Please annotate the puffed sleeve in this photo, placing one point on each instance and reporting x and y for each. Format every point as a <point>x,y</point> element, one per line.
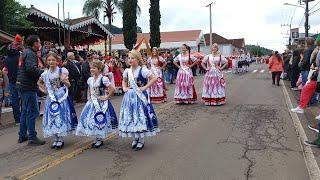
<point>106,81</point>
<point>177,58</point>
<point>65,73</point>
<point>206,59</point>
<point>89,80</point>
<point>223,60</point>
<point>146,73</point>
<point>161,59</point>
<point>125,74</point>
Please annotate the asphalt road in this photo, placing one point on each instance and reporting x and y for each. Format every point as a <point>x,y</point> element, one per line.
<point>251,137</point>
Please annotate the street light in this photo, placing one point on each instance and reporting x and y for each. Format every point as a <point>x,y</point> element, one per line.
<point>288,4</point>
<point>306,24</point>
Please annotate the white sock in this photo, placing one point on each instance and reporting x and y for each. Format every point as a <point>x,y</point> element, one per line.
<point>135,141</point>
<point>59,141</point>
<point>57,137</point>
<point>141,140</point>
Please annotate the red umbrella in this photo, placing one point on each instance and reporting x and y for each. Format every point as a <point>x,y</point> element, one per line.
<point>197,54</point>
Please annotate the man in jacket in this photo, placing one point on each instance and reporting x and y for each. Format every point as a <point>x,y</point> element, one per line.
<point>74,74</point>
<point>11,63</point>
<point>27,77</point>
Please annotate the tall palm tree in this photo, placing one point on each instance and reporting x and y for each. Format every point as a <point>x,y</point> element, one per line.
<point>94,7</point>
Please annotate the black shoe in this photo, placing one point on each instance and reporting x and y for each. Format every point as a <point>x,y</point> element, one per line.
<point>54,145</point>
<point>60,146</point>
<point>139,148</point>
<point>36,142</point>
<point>133,146</point>
<point>98,145</point>
<point>22,139</point>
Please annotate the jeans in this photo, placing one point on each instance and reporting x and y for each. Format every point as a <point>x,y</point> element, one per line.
<point>304,75</point>
<point>15,102</point>
<point>29,114</point>
<point>169,76</point>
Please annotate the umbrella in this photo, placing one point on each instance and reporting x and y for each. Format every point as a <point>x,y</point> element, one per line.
<point>197,54</point>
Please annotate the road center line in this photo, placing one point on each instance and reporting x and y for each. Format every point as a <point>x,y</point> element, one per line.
<point>74,153</point>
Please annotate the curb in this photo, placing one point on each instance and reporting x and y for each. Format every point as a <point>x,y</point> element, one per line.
<point>311,163</point>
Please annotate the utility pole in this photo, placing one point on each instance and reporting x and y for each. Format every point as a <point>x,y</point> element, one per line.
<point>209,5</point>
<point>64,29</point>
<point>306,25</point>
<point>307,14</point>
<point>59,26</point>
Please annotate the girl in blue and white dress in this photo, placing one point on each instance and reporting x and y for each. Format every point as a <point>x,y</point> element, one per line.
<point>59,117</point>
<point>98,118</point>
<point>137,116</point>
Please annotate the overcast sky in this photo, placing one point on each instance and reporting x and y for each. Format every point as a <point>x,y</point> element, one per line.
<point>258,21</point>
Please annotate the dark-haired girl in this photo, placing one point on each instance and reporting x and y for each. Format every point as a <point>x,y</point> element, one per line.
<point>185,93</point>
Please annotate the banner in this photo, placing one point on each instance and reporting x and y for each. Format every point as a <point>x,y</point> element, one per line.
<point>294,33</point>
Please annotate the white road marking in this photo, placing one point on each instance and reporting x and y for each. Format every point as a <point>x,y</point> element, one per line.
<point>254,71</point>
<point>262,71</point>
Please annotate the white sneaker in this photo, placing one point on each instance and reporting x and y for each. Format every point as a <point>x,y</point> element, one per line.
<point>318,117</point>
<point>298,110</point>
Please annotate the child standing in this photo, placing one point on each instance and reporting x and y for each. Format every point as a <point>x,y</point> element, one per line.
<point>137,116</point>
<point>59,117</point>
<point>98,117</point>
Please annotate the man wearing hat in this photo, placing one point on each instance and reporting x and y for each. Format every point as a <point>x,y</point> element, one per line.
<point>11,63</point>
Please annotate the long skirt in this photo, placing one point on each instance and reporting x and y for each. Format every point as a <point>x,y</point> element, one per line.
<point>185,91</point>
<point>157,90</point>
<point>213,92</point>
<point>89,127</point>
<point>137,119</point>
<point>61,123</point>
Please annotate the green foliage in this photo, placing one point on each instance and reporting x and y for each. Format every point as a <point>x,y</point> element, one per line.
<point>13,16</point>
<point>257,50</point>
<point>155,22</point>
<point>129,20</point>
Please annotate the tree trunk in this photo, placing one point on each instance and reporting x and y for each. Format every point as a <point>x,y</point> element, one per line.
<point>110,23</point>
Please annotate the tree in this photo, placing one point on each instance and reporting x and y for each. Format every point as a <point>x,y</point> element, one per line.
<point>2,23</point>
<point>13,16</point>
<point>129,20</point>
<point>93,8</point>
<point>258,50</point>
<point>155,23</point>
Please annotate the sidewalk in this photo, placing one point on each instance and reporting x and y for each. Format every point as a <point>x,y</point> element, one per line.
<point>307,118</point>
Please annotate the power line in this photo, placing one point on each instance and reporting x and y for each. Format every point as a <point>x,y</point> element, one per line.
<point>315,11</point>
<point>314,5</point>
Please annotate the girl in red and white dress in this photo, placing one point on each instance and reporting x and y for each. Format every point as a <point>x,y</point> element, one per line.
<point>107,71</point>
<point>117,72</point>
<point>157,90</point>
<point>185,92</point>
<point>214,93</point>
